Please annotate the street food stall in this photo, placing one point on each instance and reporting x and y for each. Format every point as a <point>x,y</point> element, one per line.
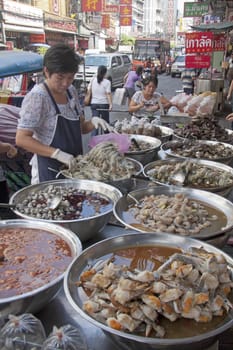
<point>210,49</point>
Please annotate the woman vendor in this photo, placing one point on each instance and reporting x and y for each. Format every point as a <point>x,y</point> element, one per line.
<point>51,119</point>
<point>147,102</point>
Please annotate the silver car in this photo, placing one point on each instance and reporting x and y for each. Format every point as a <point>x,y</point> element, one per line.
<point>178,66</point>
<point>118,65</point>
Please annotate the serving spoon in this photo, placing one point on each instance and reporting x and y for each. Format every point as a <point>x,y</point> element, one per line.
<point>52,203</point>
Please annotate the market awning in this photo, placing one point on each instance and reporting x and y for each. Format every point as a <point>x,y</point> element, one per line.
<point>215,27</point>
<point>14,28</point>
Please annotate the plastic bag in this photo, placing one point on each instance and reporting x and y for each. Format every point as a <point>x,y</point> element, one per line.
<point>65,338</point>
<point>21,331</point>
<point>122,141</point>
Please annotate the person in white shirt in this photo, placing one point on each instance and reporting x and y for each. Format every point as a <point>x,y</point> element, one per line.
<point>101,97</point>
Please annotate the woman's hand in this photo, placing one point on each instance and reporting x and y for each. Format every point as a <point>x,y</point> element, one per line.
<point>229,116</point>
<point>101,123</point>
<point>12,151</point>
<point>63,157</point>
<point>228,97</point>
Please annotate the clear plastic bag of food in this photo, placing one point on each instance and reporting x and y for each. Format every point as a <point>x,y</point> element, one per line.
<point>65,338</point>
<point>22,332</point>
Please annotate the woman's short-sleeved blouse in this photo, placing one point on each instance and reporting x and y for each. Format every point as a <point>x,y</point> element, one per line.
<point>38,113</point>
<point>139,98</point>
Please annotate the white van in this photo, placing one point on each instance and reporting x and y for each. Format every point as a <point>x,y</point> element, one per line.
<point>117,66</point>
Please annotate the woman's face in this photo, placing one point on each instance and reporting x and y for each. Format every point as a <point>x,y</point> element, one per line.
<point>149,89</point>
<point>59,82</point>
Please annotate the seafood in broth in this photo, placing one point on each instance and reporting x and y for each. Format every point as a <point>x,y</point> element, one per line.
<point>192,285</point>
<point>172,214</point>
<point>197,175</point>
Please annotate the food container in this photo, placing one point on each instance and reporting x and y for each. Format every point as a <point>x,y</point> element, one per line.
<point>216,234</point>
<point>222,190</point>
<point>36,299</point>
<point>84,228</point>
<point>138,167</point>
<point>127,340</point>
<point>144,155</point>
<point>166,133</point>
<point>223,151</point>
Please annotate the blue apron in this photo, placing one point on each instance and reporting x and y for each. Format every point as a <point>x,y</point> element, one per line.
<point>67,137</point>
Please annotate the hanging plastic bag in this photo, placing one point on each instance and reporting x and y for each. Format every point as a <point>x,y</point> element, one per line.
<point>122,141</point>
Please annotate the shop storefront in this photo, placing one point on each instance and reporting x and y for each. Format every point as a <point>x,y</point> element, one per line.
<point>21,24</point>
<point>60,29</point>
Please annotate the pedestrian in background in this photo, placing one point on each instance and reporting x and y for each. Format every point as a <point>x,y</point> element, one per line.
<point>187,77</point>
<point>101,96</point>
<point>230,69</point>
<point>11,152</point>
<point>130,80</point>
<point>230,98</point>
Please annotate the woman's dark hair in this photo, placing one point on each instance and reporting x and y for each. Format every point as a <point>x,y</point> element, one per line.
<point>139,70</point>
<point>61,58</point>
<point>150,79</point>
<point>102,70</point>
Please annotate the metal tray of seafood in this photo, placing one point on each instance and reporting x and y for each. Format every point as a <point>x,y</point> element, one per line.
<point>224,207</point>
<point>223,190</point>
<point>138,170</point>
<point>166,133</point>
<point>168,148</point>
<point>126,340</point>
<point>148,154</point>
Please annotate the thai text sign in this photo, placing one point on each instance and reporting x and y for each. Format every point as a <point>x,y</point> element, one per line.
<point>197,61</point>
<point>195,9</point>
<point>198,42</point>
<point>219,42</point>
<point>92,6</point>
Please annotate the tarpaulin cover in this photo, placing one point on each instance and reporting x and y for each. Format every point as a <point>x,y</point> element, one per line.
<point>214,27</point>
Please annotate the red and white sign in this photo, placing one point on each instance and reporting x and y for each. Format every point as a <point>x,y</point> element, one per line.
<point>92,6</point>
<point>105,23</point>
<point>198,42</point>
<point>111,8</point>
<point>197,61</point>
<point>125,10</point>
<point>125,21</point>
<point>126,2</point>
<point>219,42</point>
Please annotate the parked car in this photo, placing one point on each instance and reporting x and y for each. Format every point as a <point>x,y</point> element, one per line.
<point>178,66</point>
<point>117,66</point>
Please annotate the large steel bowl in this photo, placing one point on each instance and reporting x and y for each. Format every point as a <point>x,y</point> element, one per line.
<point>84,228</point>
<point>147,155</point>
<point>36,299</point>
<point>166,133</point>
<point>221,190</point>
<point>137,166</point>
<point>214,234</point>
<point>169,149</point>
<point>125,340</point>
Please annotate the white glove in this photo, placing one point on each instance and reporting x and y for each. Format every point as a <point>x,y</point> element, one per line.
<point>98,122</point>
<point>64,157</point>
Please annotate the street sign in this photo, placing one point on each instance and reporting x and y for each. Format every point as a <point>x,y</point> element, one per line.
<point>198,42</point>
<point>197,61</point>
<point>195,9</point>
